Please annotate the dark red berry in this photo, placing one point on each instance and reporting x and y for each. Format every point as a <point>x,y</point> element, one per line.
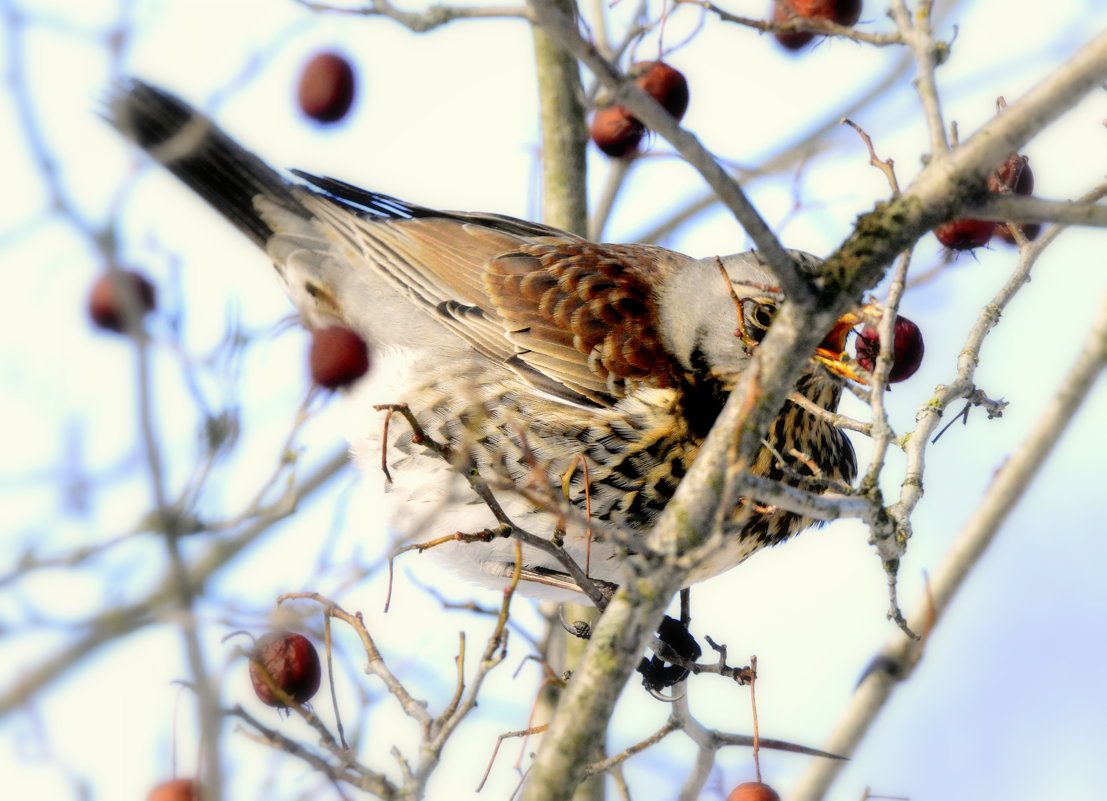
<point>907,349</point>
<point>291,662</point>
<point>753,791</point>
<point>174,790</point>
<point>843,12</point>
<point>327,86</point>
<point>664,84</point>
<point>106,305</point>
<point>616,131</point>
<point>965,234</point>
<point>1029,230</point>
<point>789,40</point>
<point>1013,175</point>
<point>338,357</point>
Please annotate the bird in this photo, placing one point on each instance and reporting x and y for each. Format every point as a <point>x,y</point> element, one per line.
<point>575,380</point>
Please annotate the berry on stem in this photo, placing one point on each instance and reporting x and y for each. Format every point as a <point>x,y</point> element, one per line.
<point>842,12</point>
<point>107,308</point>
<point>753,791</point>
<point>292,663</point>
<point>616,131</point>
<point>663,83</point>
<point>174,790</point>
<point>1015,176</point>
<point>1029,230</point>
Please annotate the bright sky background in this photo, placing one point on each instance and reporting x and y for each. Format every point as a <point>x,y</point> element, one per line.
<point>1009,701</point>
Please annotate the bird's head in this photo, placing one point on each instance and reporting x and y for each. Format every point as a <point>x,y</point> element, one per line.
<point>715,312</point>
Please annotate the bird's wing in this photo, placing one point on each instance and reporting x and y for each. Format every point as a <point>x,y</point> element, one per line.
<point>575,319</point>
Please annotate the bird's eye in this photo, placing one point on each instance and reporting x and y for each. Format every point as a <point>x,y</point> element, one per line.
<point>759,316</point>
<point>762,315</point>
<point>755,318</point>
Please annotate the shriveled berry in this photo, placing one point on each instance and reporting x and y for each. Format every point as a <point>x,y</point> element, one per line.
<point>327,86</point>
<point>616,131</point>
<point>338,357</point>
<point>174,790</point>
<point>1013,175</point>
<point>664,84</point>
<point>1029,230</point>
<point>106,305</point>
<point>843,12</point>
<point>753,791</point>
<point>907,349</point>
<point>291,661</point>
<point>965,234</point>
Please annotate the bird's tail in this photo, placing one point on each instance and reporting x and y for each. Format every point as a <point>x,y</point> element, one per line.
<point>197,151</point>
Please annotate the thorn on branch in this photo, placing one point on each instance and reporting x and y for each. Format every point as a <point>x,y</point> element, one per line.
<point>886,166</point>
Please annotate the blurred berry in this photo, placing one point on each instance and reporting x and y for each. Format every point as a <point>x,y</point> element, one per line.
<point>326,89</point>
<point>616,131</point>
<point>843,12</point>
<point>174,790</point>
<point>965,234</point>
<point>753,791</point>
<point>664,84</point>
<point>338,357</point>
<point>106,306</point>
<point>1014,175</point>
<point>1029,230</point>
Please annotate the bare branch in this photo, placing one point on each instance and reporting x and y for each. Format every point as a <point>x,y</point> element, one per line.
<point>433,17</point>
<point>898,658</point>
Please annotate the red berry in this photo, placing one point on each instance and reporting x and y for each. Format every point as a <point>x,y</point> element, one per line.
<point>843,12</point>
<point>1013,175</point>
<point>794,40</point>
<point>616,131</point>
<point>106,306</point>
<point>1025,184</point>
<point>753,791</point>
<point>338,357</point>
<point>326,87</point>
<point>907,349</point>
<point>1029,230</point>
<point>174,790</point>
<point>664,84</point>
<point>965,234</point>
<point>291,662</point>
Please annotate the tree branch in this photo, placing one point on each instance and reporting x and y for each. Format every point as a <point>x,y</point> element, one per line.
<point>898,658</point>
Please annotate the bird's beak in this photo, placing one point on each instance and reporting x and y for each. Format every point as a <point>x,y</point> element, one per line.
<point>831,352</point>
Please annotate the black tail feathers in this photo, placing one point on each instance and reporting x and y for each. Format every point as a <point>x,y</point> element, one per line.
<point>194,149</point>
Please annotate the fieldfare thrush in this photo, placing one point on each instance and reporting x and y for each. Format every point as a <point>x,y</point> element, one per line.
<point>536,357</point>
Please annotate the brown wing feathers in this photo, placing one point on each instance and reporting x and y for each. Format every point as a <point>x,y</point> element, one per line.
<point>573,317</point>
<point>581,305</point>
